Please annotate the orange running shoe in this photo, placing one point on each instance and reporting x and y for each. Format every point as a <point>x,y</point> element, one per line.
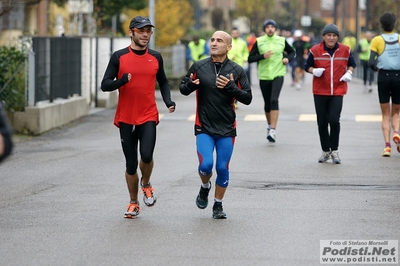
<point>133,211</point>
<point>396,139</point>
<point>386,152</point>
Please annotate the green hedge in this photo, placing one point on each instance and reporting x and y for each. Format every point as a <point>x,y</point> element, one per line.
<point>12,78</point>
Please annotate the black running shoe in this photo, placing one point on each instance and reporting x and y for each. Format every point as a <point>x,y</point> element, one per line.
<point>218,212</point>
<point>202,197</point>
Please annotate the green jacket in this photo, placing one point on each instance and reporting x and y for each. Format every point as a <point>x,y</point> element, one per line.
<point>270,68</point>
<point>351,42</point>
<point>365,51</point>
<point>197,52</point>
<point>239,52</point>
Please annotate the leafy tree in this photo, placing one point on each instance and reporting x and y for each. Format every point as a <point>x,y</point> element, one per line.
<point>257,11</point>
<point>104,10</point>
<point>286,13</point>
<point>5,7</point>
<point>170,26</point>
<point>377,8</point>
<point>110,7</point>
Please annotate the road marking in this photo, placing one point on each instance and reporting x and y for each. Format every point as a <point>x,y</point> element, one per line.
<point>300,118</point>
<point>261,117</point>
<point>368,118</point>
<point>307,117</point>
<point>254,117</point>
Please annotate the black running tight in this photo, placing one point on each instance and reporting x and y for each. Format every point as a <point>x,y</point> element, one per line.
<point>270,90</point>
<point>144,134</point>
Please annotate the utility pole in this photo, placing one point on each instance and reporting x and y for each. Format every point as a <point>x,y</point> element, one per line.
<point>358,18</point>
<point>342,15</point>
<point>306,9</point>
<point>335,4</point>
<point>152,18</point>
<point>367,14</point>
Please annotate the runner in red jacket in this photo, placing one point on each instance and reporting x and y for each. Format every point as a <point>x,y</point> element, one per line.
<point>332,65</point>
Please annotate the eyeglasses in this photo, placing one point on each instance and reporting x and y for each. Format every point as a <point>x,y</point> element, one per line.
<point>142,30</point>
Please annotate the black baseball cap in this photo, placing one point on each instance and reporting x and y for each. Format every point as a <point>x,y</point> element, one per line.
<point>140,22</point>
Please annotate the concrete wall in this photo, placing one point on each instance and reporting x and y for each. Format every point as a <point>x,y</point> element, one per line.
<point>45,116</point>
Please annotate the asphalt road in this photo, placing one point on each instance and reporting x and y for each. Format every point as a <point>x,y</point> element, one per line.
<point>63,194</point>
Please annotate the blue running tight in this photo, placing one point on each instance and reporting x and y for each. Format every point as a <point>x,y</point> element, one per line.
<point>224,148</point>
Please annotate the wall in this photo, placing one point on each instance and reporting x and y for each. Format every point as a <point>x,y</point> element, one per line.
<point>46,116</point>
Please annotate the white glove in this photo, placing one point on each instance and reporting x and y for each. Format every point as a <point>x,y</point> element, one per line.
<point>318,72</point>
<point>346,77</point>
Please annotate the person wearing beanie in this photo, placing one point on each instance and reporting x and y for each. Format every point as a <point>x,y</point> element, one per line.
<point>332,65</point>
<point>135,71</point>
<point>385,58</point>
<point>330,28</point>
<point>269,22</point>
<point>272,53</point>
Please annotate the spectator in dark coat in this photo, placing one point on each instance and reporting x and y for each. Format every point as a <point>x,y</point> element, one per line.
<point>5,135</point>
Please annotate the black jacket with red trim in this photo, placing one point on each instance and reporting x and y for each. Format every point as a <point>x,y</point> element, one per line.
<point>215,112</point>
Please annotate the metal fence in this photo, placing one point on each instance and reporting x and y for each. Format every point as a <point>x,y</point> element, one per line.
<point>174,60</point>
<point>57,67</point>
<point>67,66</point>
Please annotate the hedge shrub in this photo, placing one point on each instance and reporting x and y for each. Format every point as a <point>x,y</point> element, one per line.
<point>12,78</point>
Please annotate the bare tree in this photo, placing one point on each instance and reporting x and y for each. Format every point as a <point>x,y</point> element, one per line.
<point>6,6</point>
